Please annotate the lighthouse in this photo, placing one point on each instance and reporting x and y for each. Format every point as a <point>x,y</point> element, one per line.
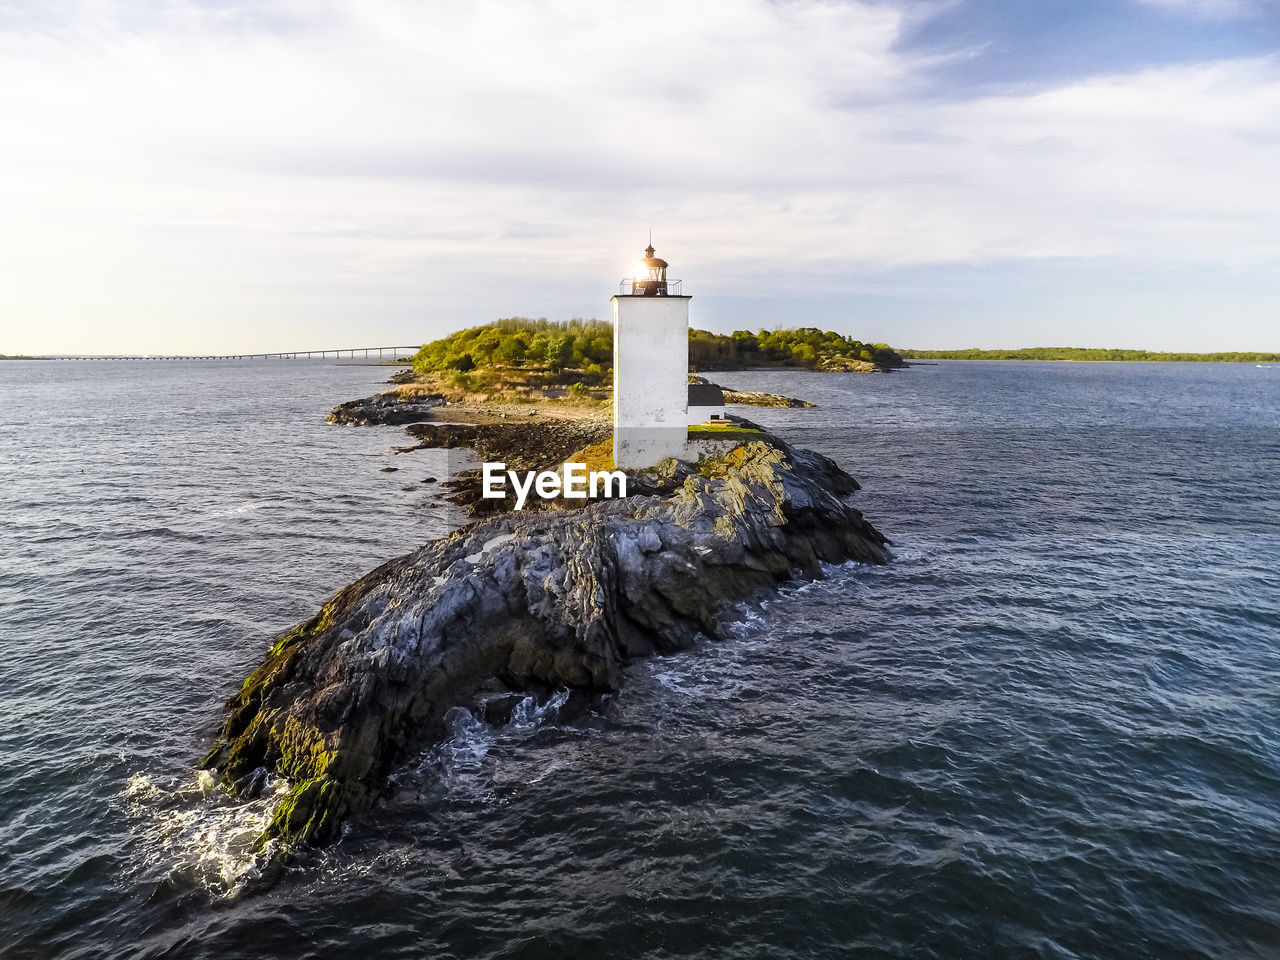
<point>650,366</point>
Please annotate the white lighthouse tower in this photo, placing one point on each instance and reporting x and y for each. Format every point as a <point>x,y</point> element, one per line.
<point>650,366</point>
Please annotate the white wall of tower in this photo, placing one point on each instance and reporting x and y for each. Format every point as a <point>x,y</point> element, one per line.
<point>650,379</point>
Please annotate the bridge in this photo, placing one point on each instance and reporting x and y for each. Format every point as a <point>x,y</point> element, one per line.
<point>353,353</point>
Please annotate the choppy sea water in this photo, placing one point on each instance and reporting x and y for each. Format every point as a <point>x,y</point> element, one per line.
<point>1050,728</point>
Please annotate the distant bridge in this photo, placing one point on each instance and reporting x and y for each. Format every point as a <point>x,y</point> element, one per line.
<point>367,353</point>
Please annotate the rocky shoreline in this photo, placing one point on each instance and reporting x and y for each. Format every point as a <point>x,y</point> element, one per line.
<point>412,403</point>
<point>530,445</point>
<point>391,407</point>
<point>519,602</point>
<point>752,398</point>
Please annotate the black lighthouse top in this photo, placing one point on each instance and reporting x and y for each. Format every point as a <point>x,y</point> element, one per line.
<point>649,276</point>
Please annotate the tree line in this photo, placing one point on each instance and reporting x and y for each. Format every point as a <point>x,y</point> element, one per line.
<point>801,347</point>
<point>587,345</point>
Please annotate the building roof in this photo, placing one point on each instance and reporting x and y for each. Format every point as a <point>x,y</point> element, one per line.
<point>705,395</point>
<point>650,260</point>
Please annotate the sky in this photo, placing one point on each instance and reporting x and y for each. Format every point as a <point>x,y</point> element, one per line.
<point>226,177</point>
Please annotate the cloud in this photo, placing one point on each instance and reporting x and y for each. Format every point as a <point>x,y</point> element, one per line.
<point>1217,9</point>
<point>251,169</point>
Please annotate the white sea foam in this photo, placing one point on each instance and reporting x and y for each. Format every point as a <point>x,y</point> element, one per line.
<point>239,510</point>
<point>203,834</point>
<point>464,749</point>
<point>529,714</point>
<point>460,756</point>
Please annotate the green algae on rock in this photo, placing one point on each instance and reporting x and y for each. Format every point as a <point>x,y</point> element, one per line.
<point>549,599</point>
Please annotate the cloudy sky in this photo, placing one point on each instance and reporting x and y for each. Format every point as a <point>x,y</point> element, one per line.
<point>291,174</point>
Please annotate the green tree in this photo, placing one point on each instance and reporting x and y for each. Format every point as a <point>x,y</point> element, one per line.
<point>511,348</point>
<point>560,353</point>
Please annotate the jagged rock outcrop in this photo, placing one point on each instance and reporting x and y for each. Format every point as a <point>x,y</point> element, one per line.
<point>849,365</point>
<point>752,398</point>
<point>523,444</point>
<point>554,598</point>
<point>391,407</point>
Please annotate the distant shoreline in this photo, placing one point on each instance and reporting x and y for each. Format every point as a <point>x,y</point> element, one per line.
<point>1090,355</point>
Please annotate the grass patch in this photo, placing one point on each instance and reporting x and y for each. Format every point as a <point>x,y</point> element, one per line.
<point>722,430</point>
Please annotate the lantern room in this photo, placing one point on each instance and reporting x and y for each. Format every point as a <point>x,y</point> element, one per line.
<point>649,276</point>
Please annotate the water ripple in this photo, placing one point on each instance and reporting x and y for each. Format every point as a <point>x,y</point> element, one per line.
<point>1047,729</point>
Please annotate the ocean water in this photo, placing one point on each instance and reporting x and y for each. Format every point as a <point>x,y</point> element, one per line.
<point>1049,728</point>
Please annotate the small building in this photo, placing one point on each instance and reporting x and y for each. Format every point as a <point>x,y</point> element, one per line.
<point>706,402</point>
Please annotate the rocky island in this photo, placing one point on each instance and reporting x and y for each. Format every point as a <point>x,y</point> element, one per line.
<point>517,602</point>
<point>558,597</point>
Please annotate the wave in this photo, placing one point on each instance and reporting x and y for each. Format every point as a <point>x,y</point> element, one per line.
<point>201,834</point>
